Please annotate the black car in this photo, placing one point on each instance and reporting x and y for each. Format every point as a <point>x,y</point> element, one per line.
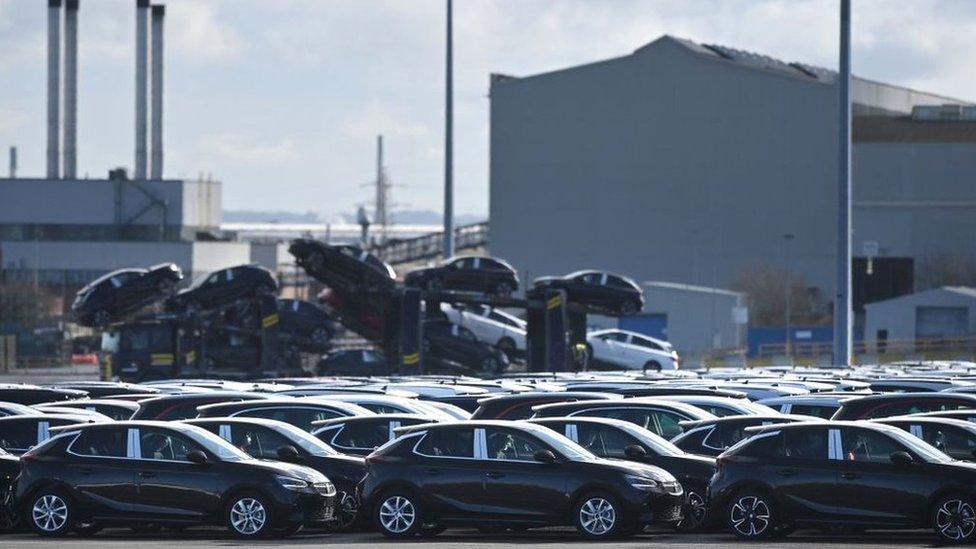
<point>300,412</point>
<point>607,292</point>
<point>118,410</point>
<point>174,407</point>
<point>954,437</point>
<point>361,435</point>
<point>661,417</point>
<point>19,434</point>
<point>487,275</point>
<point>449,342</point>
<point>353,362</point>
<point>615,439</point>
<point>9,469</point>
<point>343,267</point>
<point>519,406</point>
<point>509,474</point>
<point>900,404</point>
<point>223,287</point>
<point>840,473</point>
<point>122,292</point>
<point>307,324</point>
<point>166,474</point>
<point>711,437</point>
<point>274,440</point>
<point>32,394</point>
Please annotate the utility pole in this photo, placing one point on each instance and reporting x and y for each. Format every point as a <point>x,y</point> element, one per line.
<point>382,192</point>
<point>842,301</point>
<point>448,250</point>
<point>787,238</point>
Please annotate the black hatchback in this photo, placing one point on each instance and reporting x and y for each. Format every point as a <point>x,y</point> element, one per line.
<point>122,292</point>
<point>449,342</point>
<point>839,473</point>
<point>225,286</point>
<point>344,267</point>
<point>487,275</point>
<point>164,474</point>
<point>509,474</point>
<point>607,292</point>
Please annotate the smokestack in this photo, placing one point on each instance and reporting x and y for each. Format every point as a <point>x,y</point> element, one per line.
<point>53,86</point>
<point>13,162</point>
<point>70,88</point>
<point>142,21</point>
<point>158,12</point>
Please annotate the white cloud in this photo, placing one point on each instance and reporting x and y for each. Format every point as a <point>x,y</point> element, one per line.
<point>196,34</point>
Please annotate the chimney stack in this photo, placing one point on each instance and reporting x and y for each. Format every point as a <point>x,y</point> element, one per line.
<point>158,13</point>
<point>53,86</point>
<point>142,21</point>
<point>70,88</point>
<point>13,162</point>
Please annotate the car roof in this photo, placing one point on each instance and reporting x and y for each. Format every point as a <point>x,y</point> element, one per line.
<point>784,418</point>
<point>325,423</point>
<point>912,396</point>
<point>177,425</point>
<point>626,403</point>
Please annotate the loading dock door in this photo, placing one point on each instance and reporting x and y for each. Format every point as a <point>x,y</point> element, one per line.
<point>654,324</point>
<point>941,322</point>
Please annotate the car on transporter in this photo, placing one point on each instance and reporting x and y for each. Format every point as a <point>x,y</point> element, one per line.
<point>344,267</point>
<point>841,474</point>
<point>123,292</point>
<point>224,286</point>
<point>630,351</point>
<point>144,474</point>
<point>491,325</point>
<point>449,342</point>
<point>599,290</point>
<point>487,275</point>
<point>509,474</point>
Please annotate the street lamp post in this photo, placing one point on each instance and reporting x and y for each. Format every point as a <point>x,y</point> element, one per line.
<point>787,238</point>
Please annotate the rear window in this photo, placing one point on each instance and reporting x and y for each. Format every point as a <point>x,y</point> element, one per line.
<point>101,443</point>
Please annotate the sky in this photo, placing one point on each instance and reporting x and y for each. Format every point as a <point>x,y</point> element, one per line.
<point>282,99</point>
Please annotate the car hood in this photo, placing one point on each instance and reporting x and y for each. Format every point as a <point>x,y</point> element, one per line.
<point>632,468</point>
<point>302,472</point>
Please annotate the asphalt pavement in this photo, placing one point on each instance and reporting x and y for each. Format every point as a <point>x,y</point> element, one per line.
<point>469,539</point>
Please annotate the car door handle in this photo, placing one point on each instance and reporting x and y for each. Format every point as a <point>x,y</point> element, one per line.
<point>146,474</point>
<point>494,474</point>
<point>849,476</point>
<point>787,472</point>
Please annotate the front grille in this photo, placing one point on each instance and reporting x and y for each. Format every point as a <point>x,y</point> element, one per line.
<point>325,488</point>
<point>673,488</point>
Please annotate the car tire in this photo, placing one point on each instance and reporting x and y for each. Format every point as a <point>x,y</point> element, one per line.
<point>695,514</point>
<point>320,336</point>
<point>248,516</point>
<point>491,366</point>
<point>596,516</point>
<point>653,366</point>
<point>101,318</point>
<point>507,346</point>
<point>398,515</point>
<point>751,515</point>
<point>347,511</point>
<point>50,513</point>
<point>954,519</point>
<point>628,308</point>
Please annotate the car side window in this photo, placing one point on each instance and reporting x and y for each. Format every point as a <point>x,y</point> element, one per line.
<point>950,440</point>
<point>806,444</point>
<point>447,443</point>
<point>363,435</point>
<point>299,417</point>
<point>617,282</point>
<point>604,441</point>
<point>723,437</point>
<point>101,443</point>
<point>511,445</point>
<point>258,442</point>
<point>769,446</point>
<point>824,412</point>
<point>867,446</point>
<point>159,444</point>
<point>646,343</point>
<point>19,436</point>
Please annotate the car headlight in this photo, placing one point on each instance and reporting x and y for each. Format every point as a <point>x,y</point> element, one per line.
<point>643,483</point>
<point>295,484</point>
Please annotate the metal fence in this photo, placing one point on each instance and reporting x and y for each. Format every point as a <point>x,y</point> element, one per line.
<point>962,345</point>
<point>429,246</point>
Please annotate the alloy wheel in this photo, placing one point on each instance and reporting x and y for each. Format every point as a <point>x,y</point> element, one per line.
<point>397,514</point>
<point>750,516</point>
<point>248,516</point>
<point>348,509</point>
<point>50,513</point>
<point>597,516</point>
<point>696,511</point>
<point>955,519</point>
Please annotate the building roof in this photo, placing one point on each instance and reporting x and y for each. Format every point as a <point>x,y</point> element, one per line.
<point>964,292</point>
<point>886,129</point>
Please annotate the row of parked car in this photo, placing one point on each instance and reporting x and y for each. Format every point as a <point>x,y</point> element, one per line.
<point>759,452</point>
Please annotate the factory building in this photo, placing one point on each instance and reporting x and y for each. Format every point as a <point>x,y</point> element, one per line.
<point>699,164</point>
<point>944,313</point>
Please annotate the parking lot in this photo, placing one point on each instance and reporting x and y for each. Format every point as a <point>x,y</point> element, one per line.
<point>470,539</point>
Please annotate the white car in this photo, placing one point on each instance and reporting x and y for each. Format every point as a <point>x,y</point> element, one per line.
<point>631,351</point>
<point>506,332</point>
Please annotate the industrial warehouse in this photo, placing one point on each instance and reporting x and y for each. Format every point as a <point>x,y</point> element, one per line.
<point>713,294</point>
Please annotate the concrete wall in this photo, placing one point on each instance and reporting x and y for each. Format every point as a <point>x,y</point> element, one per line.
<point>673,165</point>
<point>898,315</point>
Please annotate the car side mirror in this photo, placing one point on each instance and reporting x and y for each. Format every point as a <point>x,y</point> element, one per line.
<point>902,458</point>
<point>289,453</point>
<point>635,451</point>
<point>544,456</point>
<point>197,456</point>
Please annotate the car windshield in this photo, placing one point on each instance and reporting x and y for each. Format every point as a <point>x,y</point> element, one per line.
<point>656,443</point>
<point>569,449</point>
<point>305,441</point>
<point>216,445</point>
<point>925,451</point>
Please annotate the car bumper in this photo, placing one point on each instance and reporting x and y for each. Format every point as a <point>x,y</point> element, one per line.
<point>307,509</point>
<point>654,507</point>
